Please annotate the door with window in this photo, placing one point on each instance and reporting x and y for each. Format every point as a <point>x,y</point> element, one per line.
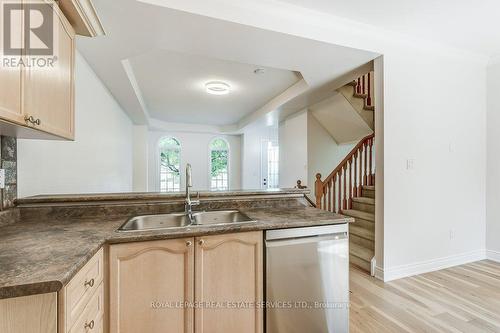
<point>269,164</point>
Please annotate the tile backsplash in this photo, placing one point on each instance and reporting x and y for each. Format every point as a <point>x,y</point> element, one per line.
<point>8,161</point>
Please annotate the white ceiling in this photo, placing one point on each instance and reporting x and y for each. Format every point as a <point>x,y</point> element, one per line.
<point>173,87</point>
<point>465,24</point>
<point>132,60</point>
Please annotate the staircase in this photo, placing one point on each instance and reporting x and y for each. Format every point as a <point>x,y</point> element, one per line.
<point>362,232</point>
<point>359,93</point>
<point>350,188</point>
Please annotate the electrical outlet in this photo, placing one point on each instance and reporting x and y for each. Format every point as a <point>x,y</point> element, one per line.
<point>452,234</point>
<point>2,178</point>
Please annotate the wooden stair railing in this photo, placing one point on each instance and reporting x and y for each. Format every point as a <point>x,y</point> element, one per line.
<point>346,181</point>
<point>363,88</point>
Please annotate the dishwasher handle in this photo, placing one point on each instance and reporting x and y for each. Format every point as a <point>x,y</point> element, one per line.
<point>306,231</point>
<point>306,239</point>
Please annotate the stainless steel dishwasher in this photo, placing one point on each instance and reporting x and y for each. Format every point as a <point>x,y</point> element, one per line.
<point>307,280</point>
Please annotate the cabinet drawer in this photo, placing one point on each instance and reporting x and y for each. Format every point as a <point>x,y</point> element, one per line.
<point>91,318</point>
<point>81,288</point>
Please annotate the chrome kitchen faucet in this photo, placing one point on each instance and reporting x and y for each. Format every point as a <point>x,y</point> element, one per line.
<point>188,206</point>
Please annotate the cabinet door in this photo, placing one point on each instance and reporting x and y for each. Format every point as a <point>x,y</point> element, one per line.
<point>150,282</point>
<point>229,279</point>
<point>49,90</point>
<point>10,75</point>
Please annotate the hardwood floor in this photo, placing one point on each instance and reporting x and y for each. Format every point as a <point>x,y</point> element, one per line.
<point>459,299</point>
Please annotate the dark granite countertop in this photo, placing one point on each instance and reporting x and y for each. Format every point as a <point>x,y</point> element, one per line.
<point>42,256</point>
<point>151,196</point>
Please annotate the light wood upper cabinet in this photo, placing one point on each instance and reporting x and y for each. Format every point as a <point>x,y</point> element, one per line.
<point>83,17</point>
<point>34,95</point>
<point>229,269</point>
<point>149,283</point>
<point>49,91</point>
<point>10,80</point>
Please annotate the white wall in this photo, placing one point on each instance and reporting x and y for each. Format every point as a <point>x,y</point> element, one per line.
<point>100,158</point>
<point>194,150</point>
<point>323,153</point>
<point>307,148</point>
<point>493,164</point>
<point>140,158</point>
<point>434,112</point>
<point>293,150</point>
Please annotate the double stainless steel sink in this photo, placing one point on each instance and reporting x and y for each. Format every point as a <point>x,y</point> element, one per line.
<point>182,220</point>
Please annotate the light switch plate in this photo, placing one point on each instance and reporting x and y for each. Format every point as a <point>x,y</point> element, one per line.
<point>2,178</point>
<point>410,164</point>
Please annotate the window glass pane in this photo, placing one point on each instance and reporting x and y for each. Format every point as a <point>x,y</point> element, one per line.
<point>219,144</point>
<point>170,163</point>
<point>219,165</point>
<point>169,142</point>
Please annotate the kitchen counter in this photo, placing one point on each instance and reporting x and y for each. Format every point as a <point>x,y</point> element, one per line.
<point>42,255</point>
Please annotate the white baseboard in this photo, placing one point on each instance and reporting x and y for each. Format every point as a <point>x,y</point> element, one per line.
<point>398,272</point>
<point>493,255</point>
<point>378,273</point>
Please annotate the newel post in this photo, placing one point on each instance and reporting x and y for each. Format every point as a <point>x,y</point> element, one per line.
<point>318,190</point>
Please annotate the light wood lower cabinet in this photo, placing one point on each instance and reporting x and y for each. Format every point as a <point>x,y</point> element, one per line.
<point>79,307</point>
<point>229,278</point>
<point>205,284</point>
<point>145,279</point>
<point>37,313</point>
<point>81,301</point>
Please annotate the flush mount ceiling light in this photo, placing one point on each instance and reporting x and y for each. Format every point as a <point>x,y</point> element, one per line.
<point>217,88</point>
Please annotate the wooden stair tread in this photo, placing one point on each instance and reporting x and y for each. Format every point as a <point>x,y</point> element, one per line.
<point>364,224</point>
<point>362,232</point>
<point>364,200</point>
<point>369,187</point>
<point>359,263</point>
<point>360,95</point>
<point>359,214</point>
<point>361,252</point>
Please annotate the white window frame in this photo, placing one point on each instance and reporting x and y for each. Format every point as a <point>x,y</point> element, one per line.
<point>158,161</point>
<point>210,163</point>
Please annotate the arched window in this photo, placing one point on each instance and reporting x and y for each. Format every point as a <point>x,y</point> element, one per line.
<point>219,165</point>
<point>170,164</point>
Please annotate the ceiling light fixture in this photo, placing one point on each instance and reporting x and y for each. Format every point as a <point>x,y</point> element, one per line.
<point>217,88</point>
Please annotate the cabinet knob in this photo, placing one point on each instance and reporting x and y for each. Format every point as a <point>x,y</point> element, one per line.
<point>201,242</point>
<point>89,325</point>
<point>89,283</point>
<point>189,243</point>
